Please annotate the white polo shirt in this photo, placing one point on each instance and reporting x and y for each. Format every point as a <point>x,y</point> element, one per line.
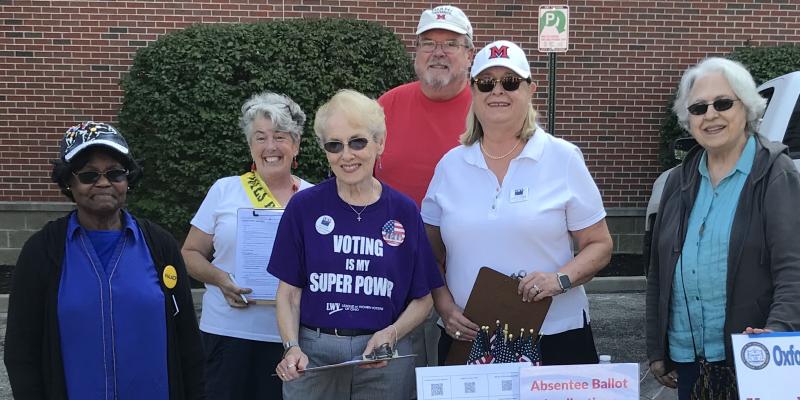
<point>522,224</point>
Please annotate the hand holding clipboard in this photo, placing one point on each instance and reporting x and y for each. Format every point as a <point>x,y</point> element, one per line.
<point>494,297</point>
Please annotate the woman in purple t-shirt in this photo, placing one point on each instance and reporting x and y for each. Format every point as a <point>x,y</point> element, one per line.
<point>355,266</point>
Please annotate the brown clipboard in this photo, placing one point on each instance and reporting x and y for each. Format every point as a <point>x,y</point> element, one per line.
<point>494,297</point>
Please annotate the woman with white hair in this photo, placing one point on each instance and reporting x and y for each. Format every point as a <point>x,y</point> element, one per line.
<point>725,258</point>
<point>241,340</point>
<point>355,266</point>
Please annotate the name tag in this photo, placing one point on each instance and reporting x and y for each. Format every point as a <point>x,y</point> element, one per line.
<point>518,195</point>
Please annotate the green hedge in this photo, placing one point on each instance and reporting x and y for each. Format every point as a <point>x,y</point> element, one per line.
<point>183,95</point>
<point>764,63</point>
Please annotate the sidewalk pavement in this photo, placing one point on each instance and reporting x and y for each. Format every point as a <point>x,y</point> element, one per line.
<point>616,305</point>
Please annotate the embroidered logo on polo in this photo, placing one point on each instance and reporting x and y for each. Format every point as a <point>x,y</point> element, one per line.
<point>393,233</point>
<point>518,195</point>
<point>325,224</point>
<point>498,52</point>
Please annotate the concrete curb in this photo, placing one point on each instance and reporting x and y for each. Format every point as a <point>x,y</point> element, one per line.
<point>611,284</point>
<point>616,284</point>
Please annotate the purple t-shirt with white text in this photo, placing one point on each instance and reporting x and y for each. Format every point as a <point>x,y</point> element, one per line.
<point>353,274</point>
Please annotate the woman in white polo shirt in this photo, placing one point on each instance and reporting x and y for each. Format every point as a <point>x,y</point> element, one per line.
<point>513,197</point>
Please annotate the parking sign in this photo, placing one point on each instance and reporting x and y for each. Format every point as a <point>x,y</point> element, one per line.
<point>553,29</point>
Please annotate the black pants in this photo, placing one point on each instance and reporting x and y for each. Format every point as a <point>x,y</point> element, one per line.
<point>575,346</point>
<point>239,369</point>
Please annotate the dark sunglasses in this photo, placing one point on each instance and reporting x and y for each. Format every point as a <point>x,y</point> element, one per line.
<point>335,146</point>
<point>719,105</point>
<point>510,83</point>
<point>90,177</point>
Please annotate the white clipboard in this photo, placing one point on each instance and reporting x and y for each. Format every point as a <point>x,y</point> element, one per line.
<point>256,229</point>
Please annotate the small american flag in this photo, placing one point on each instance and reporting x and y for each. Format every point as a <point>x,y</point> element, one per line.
<point>505,352</point>
<point>393,233</point>
<point>479,354</point>
<point>529,349</point>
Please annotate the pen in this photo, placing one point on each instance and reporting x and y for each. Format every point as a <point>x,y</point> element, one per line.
<point>237,284</point>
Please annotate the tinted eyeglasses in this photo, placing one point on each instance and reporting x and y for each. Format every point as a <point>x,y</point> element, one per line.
<point>719,105</point>
<point>91,177</point>
<point>335,146</point>
<point>510,83</point>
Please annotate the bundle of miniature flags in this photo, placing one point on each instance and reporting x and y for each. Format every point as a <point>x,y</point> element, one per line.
<point>503,347</point>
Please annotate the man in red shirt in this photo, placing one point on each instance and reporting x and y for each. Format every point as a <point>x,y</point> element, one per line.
<point>424,120</point>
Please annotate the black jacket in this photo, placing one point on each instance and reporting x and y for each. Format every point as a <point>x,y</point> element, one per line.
<point>33,346</point>
<point>763,278</point>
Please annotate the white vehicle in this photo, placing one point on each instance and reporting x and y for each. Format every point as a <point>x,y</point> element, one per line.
<point>780,123</point>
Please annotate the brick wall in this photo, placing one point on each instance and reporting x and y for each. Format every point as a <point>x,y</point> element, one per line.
<point>61,62</point>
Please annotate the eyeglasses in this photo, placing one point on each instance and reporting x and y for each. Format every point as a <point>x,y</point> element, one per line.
<point>335,146</point>
<point>719,105</point>
<point>510,83</point>
<point>91,177</point>
<point>449,46</point>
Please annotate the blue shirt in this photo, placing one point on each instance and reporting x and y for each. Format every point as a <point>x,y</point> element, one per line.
<point>111,318</point>
<point>104,244</point>
<point>702,268</point>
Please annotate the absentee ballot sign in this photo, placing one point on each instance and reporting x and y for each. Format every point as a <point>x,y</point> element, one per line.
<point>580,382</point>
<point>767,365</point>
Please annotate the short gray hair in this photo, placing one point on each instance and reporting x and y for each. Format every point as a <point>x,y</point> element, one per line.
<point>285,114</point>
<point>737,76</point>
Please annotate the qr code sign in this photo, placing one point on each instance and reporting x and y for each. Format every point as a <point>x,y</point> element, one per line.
<point>505,385</point>
<point>437,390</point>
<point>469,387</point>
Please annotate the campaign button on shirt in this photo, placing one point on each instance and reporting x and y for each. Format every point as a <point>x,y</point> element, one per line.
<point>393,233</point>
<point>325,224</point>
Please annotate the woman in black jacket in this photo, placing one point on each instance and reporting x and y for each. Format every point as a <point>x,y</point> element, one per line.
<point>725,257</point>
<point>100,305</point>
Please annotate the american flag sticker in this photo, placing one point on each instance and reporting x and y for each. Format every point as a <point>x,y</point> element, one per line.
<point>393,233</point>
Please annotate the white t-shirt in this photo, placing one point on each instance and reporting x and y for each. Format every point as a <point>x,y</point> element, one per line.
<point>217,217</point>
<point>522,224</point>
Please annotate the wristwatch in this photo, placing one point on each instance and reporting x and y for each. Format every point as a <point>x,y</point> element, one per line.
<point>564,282</point>
<point>288,345</point>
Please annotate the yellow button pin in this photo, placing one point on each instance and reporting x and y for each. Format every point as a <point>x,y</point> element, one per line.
<point>170,276</point>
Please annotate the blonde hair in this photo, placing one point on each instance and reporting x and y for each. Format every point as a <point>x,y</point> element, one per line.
<point>359,110</point>
<point>474,131</point>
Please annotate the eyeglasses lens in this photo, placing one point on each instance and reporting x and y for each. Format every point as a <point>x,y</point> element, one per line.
<point>719,105</point>
<point>337,147</point>
<point>114,175</point>
<point>333,147</point>
<point>429,46</point>
<point>510,84</point>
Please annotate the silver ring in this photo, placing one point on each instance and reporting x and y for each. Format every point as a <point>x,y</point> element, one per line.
<point>290,366</point>
<point>458,334</point>
<point>537,289</point>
